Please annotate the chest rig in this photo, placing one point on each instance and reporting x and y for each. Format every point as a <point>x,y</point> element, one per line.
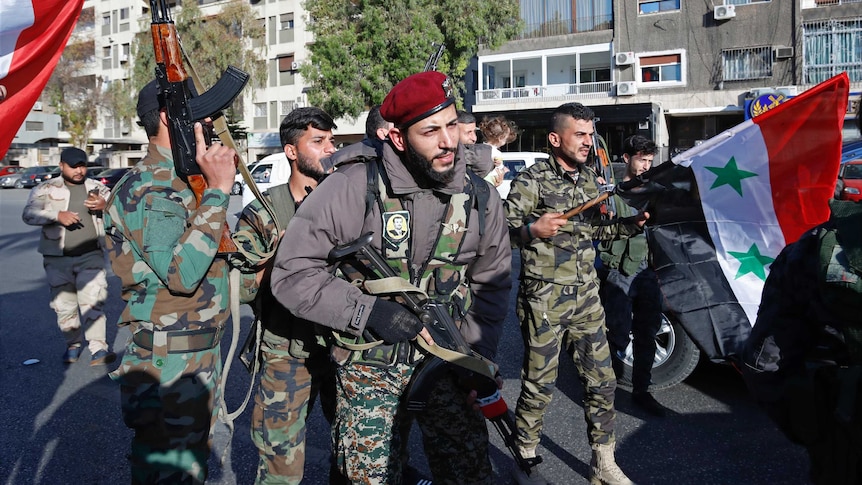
<point>441,275</point>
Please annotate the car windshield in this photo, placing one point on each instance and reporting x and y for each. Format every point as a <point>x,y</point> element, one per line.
<point>853,172</point>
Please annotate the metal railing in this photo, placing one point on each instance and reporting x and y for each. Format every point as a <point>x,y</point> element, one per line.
<point>553,92</point>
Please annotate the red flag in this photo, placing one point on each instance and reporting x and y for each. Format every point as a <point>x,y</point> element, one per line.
<point>32,37</point>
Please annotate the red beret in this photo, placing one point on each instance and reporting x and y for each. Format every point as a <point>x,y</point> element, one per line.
<point>416,97</point>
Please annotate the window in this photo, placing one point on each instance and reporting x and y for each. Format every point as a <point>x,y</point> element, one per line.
<point>34,126</point>
<point>285,63</point>
<point>106,52</point>
<point>286,21</point>
<point>259,110</point>
<point>656,6</point>
<point>124,13</point>
<point>661,69</point>
<point>594,75</point>
<point>749,63</point>
<point>287,107</point>
<point>830,47</point>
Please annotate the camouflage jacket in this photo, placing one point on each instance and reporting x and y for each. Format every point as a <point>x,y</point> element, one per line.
<point>259,228</point>
<point>569,257</point>
<point>335,213</point>
<point>163,246</point>
<point>45,203</point>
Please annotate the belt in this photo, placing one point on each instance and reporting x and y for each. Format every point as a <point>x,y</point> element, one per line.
<point>180,341</point>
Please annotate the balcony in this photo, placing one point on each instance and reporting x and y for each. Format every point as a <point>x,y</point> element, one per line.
<point>551,93</point>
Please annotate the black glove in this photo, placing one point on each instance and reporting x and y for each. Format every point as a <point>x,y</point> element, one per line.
<point>392,322</point>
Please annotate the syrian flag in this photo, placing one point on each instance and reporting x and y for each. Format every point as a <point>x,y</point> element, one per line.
<point>723,210</point>
<point>33,34</point>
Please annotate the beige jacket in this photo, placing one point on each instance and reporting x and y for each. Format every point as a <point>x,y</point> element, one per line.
<point>45,203</point>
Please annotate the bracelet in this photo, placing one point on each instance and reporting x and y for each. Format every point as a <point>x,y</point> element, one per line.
<point>529,233</point>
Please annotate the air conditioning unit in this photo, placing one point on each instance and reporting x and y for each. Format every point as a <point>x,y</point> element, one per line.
<point>624,58</point>
<point>782,52</point>
<point>124,58</point>
<point>294,66</point>
<point>724,12</point>
<point>627,88</point>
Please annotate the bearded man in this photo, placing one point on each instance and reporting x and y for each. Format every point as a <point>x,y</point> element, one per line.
<point>455,250</point>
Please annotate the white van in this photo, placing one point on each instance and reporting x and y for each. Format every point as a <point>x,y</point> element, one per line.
<point>515,162</point>
<point>268,171</point>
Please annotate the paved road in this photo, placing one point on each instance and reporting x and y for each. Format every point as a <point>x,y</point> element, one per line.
<point>62,424</point>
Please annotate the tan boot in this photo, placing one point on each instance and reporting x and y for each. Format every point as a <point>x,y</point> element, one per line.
<point>604,469</point>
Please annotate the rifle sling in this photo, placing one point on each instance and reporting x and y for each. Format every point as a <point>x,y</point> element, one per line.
<point>395,284</point>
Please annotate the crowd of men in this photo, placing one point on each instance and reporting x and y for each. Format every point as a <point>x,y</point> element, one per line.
<point>410,195</point>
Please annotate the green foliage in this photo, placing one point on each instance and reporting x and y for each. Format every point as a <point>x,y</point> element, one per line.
<point>74,95</point>
<point>363,47</point>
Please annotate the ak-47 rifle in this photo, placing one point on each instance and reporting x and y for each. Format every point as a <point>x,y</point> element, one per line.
<point>183,108</point>
<point>451,353</point>
<point>431,63</point>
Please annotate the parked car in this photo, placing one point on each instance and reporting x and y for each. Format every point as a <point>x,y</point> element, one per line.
<point>110,177</point>
<point>10,169</point>
<point>262,175</point>
<point>850,180</point>
<point>9,181</point>
<point>238,182</point>
<point>35,175</point>
<point>515,162</point>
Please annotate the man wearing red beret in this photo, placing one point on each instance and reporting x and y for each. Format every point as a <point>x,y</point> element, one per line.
<point>452,247</point>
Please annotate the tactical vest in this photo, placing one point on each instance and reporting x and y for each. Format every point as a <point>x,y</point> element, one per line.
<point>624,255</point>
<point>441,277</point>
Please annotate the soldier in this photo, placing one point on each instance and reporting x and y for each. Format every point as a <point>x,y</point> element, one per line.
<point>421,178</point>
<point>559,295</point>
<point>467,128</point>
<point>803,359</point>
<point>69,209</point>
<point>376,131</point>
<point>629,290</point>
<point>163,245</point>
<point>295,364</point>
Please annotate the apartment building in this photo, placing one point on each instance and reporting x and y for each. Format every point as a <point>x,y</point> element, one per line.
<point>678,72</point>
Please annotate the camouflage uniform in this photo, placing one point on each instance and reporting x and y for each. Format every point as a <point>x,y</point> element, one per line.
<point>295,364</point>
<point>366,432</point>
<point>803,359</point>
<point>76,275</point>
<point>558,300</point>
<point>163,247</point>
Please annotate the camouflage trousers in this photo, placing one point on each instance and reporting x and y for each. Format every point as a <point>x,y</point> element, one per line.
<point>288,388</point>
<point>168,400</point>
<point>367,433</point>
<point>552,316</point>
<point>79,287</point>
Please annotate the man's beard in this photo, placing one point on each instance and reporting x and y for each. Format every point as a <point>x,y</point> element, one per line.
<point>73,181</point>
<point>423,171</point>
<point>308,168</point>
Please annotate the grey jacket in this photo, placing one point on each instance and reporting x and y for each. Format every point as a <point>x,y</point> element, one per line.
<point>334,214</point>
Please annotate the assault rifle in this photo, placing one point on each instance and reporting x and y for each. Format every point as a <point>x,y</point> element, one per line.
<point>183,108</point>
<point>431,63</point>
<point>453,355</point>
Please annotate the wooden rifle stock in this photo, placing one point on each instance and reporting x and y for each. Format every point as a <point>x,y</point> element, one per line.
<point>586,205</point>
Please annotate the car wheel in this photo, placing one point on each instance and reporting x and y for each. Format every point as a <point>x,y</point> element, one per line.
<point>676,356</point>
<point>19,184</point>
<point>236,189</point>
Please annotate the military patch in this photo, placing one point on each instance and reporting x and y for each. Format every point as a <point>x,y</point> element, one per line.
<point>396,226</point>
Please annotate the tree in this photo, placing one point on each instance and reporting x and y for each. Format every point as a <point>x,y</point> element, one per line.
<point>363,47</point>
<point>72,92</point>
<point>212,43</point>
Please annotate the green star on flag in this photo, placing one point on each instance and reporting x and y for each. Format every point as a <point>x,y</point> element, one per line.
<point>752,262</point>
<point>730,175</point>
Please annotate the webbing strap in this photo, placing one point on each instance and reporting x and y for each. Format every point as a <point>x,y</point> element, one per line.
<point>394,284</point>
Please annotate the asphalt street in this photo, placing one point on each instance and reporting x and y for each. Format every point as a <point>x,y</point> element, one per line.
<point>62,424</point>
